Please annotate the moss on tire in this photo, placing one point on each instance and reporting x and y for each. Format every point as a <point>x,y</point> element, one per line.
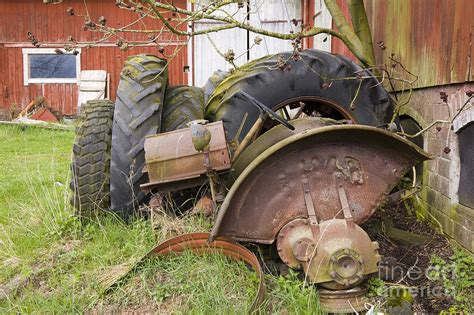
<point>138,110</point>
<point>91,158</point>
<point>214,80</point>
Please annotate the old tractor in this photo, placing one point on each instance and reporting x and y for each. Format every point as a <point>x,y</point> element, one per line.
<point>298,151</point>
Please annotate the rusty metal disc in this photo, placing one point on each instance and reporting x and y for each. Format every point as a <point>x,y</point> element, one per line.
<point>343,301</point>
<point>295,243</point>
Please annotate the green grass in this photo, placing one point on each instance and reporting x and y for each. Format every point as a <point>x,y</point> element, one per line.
<point>64,259</point>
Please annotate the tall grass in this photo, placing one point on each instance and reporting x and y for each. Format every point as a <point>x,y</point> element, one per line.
<point>63,259</point>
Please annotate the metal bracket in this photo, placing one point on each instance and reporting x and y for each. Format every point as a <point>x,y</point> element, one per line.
<point>313,220</point>
<point>346,209</point>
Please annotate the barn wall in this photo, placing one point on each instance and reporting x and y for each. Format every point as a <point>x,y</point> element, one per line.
<point>432,39</point>
<point>52,26</point>
<point>272,16</point>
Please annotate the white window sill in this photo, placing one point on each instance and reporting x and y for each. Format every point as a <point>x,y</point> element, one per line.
<point>51,81</point>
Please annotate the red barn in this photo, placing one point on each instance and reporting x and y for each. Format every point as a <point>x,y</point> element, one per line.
<point>52,25</point>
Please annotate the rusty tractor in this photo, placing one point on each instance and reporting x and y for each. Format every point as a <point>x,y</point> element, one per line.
<point>298,151</point>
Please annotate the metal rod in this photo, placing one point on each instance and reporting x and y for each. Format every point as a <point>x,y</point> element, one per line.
<point>249,136</point>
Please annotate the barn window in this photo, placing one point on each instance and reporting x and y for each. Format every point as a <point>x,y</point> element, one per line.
<point>45,65</point>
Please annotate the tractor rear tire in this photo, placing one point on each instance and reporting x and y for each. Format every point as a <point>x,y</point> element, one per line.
<point>182,104</point>
<point>138,110</point>
<point>214,80</point>
<point>91,158</point>
<point>275,79</point>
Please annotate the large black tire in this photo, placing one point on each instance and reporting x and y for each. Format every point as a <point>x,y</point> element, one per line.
<point>214,80</point>
<point>182,104</point>
<point>138,110</point>
<point>276,79</point>
<point>91,158</point>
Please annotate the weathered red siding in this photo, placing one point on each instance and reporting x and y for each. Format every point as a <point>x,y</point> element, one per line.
<point>432,39</point>
<point>51,26</point>
<point>337,46</point>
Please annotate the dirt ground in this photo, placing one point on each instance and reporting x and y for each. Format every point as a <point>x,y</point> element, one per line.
<point>405,264</point>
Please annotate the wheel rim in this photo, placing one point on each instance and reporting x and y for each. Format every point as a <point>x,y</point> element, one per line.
<point>314,104</point>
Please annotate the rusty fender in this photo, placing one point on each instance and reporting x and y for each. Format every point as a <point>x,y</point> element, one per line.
<point>268,192</point>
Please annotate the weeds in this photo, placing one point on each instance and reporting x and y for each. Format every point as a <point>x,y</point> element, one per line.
<point>457,278</point>
<point>290,295</point>
<point>377,287</point>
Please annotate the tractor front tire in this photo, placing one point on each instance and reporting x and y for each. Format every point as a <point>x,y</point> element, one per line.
<point>90,165</point>
<point>138,110</point>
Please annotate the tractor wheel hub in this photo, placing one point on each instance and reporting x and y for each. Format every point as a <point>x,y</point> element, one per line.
<point>338,256</point>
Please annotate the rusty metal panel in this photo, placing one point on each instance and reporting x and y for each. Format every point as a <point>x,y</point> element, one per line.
<point>432,39</point>
<point>171,156</point>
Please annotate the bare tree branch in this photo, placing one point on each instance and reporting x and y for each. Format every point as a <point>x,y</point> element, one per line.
<point>361,26</point>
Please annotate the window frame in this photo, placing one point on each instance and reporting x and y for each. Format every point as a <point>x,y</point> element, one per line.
<point>27,80</point>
